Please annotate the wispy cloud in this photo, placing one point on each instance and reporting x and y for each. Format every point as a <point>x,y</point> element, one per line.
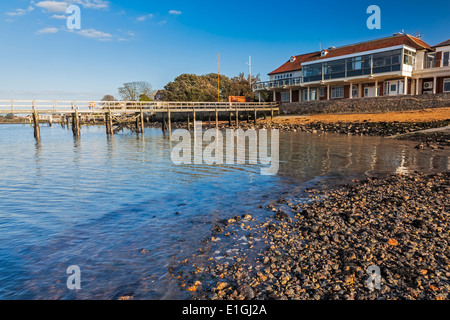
<point>59,16</point>
<point>144,17</point>
<point>19,12</point>
<point>53,6</point>
<point>61,6</point>
<point>47,31</point>
<point>92,4</point>
<point>95,34</point>
<point>175,12</point>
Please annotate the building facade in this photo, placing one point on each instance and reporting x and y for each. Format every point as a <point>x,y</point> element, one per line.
<point>397,65</point>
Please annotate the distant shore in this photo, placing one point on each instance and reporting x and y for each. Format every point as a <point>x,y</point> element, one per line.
<point>323,249</point>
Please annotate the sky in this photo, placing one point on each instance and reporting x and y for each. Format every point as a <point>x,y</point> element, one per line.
<point>155,41</point>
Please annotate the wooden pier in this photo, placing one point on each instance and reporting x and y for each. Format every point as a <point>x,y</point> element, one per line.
<point>129,114</point>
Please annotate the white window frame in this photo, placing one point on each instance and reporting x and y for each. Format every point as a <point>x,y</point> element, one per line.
<point>446,80</point>
<point>335,90</point>
<point>444,60</point>
<point>284,98</point>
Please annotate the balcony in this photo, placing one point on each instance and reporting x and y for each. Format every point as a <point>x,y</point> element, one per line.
<point>275,84</point>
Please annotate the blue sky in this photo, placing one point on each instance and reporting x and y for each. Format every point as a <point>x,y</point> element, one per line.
<point>154,41</point>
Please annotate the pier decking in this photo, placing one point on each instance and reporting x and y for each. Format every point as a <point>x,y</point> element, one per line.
<point>134,111</point>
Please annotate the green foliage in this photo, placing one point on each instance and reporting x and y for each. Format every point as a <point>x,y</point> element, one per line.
<point>191,87</point>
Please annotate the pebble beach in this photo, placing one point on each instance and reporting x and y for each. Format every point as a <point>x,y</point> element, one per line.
<point>321,249</point>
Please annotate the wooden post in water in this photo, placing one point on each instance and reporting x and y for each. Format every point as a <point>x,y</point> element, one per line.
<point>271,113</point>
<point>217,119</point>
<point>163,122</point>
<point>107,123</point>
<point>137,122</point>
<point>229,120</point>
<point>193,113</point>
<point>169,120</point>
<point>76,124</point>
<point>237,117</point>
<point>255,115</point>
<point>188,122</point>
<point>209,119</point>
<point>142,121</point>
<point>37,131</point>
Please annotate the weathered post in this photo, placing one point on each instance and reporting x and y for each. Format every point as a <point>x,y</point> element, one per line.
<point>137,122</point>
<point>209,119</point>
<point>217,119</point>
<point>229,120</point>
<point>142,121</point>
<point>193,114</point>
<point>76,124</point>
<point>163,122</point>
<point>169,120</point>
<point>237,117</point>
<point>110,123</point>
<point>37,131</point>
<point>188,122</point>
<point>107,123</point>
<point>271,113</point>
<point>255,115</point>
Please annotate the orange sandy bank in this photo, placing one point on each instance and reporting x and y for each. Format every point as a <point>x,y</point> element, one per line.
<point>424,115</point>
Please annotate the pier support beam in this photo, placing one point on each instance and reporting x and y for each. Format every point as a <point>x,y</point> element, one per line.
<point>188,122</point>
<point>37,131</point>
<point>169,120</point>
<point>255,115</point>
<point>237,117</point>
<point>76,124</point>
<point>217,119</point>
<point>142,121</point>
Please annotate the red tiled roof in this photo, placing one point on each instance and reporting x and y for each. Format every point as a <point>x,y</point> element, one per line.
<point>443,44</point>
<point>404,39</point>
<point>297,63</point>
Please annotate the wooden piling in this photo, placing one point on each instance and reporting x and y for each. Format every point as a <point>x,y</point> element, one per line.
<point>255,116</point>
<point>76,124</point>
<point>169,120</point>
<point>107,123</point>
<point>137,122</point>
<point>37,131</point>
<point>237,117</point>
<point>271,113</point>
<point>188,122</point>
<point>217,119</point>
<point>142,121</point>
<point>163,122</point>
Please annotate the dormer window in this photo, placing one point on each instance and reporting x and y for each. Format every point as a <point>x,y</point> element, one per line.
<point>292,59</point>
<point>323,53</point>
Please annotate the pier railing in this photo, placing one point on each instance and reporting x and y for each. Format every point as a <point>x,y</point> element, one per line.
<point>64,107</point>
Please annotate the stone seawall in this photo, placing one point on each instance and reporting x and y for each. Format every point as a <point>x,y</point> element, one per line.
<point>367,105</point>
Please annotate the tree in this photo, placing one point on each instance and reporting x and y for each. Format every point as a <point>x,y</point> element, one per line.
<point>108,97</point>
<point>134,91</point>
<point>191,87</point>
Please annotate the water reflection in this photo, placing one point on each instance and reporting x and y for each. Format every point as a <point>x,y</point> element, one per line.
<point>96,201</point>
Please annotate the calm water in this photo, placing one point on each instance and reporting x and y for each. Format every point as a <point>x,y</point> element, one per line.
<point>98,201</point>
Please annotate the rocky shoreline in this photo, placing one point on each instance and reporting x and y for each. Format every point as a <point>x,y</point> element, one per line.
<point>384,129</point>
<point>321,248</point>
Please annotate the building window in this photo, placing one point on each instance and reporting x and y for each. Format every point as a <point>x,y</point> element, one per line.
<point>447,85</point>
<point>430,61</point>
<point>446,61</point>
<point>322,92</point>
<point>337,92</point>
<point>409,57</point>
<point>355,91</point>
<point>285,97</point>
